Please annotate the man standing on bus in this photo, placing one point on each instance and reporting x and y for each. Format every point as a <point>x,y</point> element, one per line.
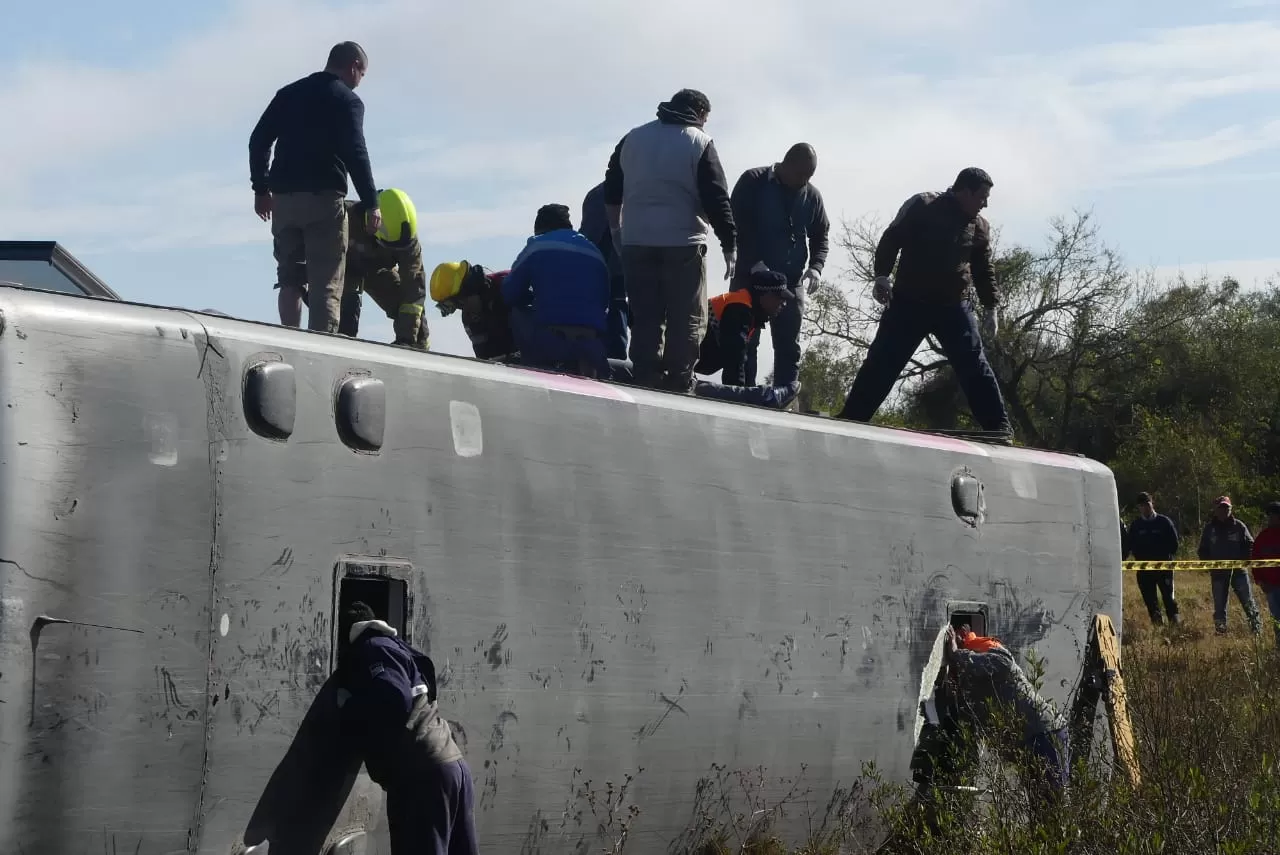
<point>782,223</point>
<point>663,184</point>
<point>317,127</point>
<point>945,244</point>
<point>387,698</point>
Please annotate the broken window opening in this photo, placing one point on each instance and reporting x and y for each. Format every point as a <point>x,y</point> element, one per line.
<point>389,598</point>
<point>974,615</point>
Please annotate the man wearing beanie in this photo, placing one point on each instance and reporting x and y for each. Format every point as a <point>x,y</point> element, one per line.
<point>387,697</point>
<point>663,184</point>
<point>1154,537</point>
<point>735,318</point>
<point>558,293</point>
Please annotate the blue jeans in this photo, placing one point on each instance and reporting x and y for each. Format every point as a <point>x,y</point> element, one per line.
<point>618,338</point>
<point>785,333</point>
<point>903,326</point>
<point>1226,581</point>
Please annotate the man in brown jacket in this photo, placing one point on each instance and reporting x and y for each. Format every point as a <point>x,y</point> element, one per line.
<point>945,244</point>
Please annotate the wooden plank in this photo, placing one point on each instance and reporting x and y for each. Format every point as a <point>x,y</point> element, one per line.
<point>1122,740</point>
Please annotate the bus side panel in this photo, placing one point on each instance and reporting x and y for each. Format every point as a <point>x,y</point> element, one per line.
<point>608,586</point>
<point>105,507</point>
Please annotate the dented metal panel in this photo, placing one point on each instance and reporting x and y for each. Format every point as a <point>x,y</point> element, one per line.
<point>611,582</point>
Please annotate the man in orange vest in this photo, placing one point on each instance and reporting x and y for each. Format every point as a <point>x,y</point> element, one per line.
<point>734,318</point>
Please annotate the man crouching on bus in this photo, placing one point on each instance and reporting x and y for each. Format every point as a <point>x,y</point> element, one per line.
<point>387,693</point>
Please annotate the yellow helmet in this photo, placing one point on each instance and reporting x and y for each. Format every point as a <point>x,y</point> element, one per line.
<point>399,218</point>
<point>446,280</point>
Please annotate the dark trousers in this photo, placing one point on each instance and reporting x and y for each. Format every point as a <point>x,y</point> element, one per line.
<point>618,338</point>
<point>434,814</point>
<point>544,347</point>
<point>667,296</point>
<point>785,332</point>
<point>903,326</point>
<point>1156,584</point>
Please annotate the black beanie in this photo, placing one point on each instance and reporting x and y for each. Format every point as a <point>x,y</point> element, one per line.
<point>769,282</point>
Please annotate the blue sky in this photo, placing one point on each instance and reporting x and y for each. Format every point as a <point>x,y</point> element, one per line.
<point>127,127</point>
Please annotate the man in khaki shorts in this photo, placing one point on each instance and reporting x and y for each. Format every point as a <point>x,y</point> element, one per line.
<point>317,127</point>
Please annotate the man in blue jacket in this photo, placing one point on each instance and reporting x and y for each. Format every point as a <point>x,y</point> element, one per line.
<point>387,701</point>
<point>558,293</point>
<point>782,223</point>
<point>1154,537</point>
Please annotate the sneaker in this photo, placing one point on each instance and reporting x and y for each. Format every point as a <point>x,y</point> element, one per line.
<point>789,396</point>
<point>1220,629</point>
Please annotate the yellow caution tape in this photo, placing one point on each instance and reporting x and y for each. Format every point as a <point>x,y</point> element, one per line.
<point>1198,565</point>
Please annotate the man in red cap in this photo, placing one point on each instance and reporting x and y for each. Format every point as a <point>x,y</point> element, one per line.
<point>1227,538</point>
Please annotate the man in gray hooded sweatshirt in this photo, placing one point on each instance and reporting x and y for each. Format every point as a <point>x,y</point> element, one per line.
<point>387,695</point>
<point>663,186</point>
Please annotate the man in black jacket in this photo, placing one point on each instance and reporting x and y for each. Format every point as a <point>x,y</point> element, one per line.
<point>946,250</point>
<point>1154,537</point>
<point>317,127</point>
<point>782,223</point>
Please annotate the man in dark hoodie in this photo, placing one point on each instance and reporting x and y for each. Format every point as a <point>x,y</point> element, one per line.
<point>1227,538</point>
<point>664,182</point>
<point>1154,537</point>
<point>595,225</point>
<point>387,696</point>
<point>945,244</point>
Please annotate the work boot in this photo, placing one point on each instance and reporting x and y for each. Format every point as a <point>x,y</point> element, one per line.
<point>1220,628</point>
<point>1175,619</point>
<point>1157,618</point>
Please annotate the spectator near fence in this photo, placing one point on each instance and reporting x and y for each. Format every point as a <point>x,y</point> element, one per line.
<point>1267,545</point>
<point>1227,538</point>
<point>1154,537</point>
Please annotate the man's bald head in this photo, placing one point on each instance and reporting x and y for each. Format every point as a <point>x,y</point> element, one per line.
<point>798,166</point>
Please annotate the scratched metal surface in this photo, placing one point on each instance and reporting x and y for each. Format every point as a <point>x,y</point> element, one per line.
<point>609,581</point>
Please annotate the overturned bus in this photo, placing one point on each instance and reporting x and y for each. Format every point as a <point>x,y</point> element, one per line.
<point>625,592</point>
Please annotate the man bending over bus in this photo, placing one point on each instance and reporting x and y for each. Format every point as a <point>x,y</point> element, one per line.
<point>982,694</point>
<point>387,696</point>
<point>735,317</point>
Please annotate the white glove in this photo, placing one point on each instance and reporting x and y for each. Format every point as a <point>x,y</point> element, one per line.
<point>730,261</point>
<point>809,281</point>
<point>990,325</point>
<point>882,290</point>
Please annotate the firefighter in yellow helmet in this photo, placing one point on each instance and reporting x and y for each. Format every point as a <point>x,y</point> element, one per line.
<point>477,293</point>
<point>387,266</point>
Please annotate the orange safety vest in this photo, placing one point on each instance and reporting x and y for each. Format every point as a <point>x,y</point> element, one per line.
<point>723,301</point>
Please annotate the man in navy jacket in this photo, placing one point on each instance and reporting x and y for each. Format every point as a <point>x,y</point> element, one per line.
<point>782,223</point>
<point>558,293</point>
<point>1154,537</point>
<point>387,698</point>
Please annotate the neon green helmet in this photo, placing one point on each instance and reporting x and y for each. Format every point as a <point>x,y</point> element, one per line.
<point>399,218</point>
